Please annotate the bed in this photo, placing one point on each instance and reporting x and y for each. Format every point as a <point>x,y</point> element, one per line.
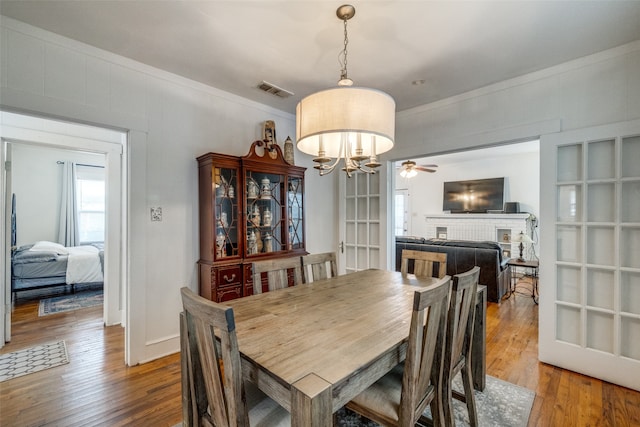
<point>46,264</point>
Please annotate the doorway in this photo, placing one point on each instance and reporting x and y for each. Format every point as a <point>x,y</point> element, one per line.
<point>401,212</point>
<point>518,163</point>
<point>33,131</point>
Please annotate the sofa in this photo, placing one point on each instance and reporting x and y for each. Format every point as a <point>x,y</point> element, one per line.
<point>462,255</point>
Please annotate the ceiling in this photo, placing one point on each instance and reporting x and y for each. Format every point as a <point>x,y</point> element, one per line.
<point>450,46</point>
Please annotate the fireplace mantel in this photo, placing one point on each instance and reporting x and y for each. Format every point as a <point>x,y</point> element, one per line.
<point>481,216</point>
<point>497,227</point>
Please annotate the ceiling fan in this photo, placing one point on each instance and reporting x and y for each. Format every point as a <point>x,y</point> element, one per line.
<point>410,169</point>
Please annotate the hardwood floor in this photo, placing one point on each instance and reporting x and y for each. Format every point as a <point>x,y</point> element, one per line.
<point>563,398</point>
<point>96,388</point>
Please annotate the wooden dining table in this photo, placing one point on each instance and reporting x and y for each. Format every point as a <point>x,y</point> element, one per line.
<point>314,347</point>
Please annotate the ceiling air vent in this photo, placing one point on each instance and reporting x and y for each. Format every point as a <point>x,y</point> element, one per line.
<point>274,90</point>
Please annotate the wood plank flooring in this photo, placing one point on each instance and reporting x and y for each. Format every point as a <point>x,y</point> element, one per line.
<point>97,389</point>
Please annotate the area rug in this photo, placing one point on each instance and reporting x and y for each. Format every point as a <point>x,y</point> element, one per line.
<point>33,359</point>
<point>70,302</point>
<point>501,404</point>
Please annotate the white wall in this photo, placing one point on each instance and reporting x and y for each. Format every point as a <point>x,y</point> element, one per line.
<point>522,184</point>
<point>170,121</point>
<point>597,89</point>
<point>37,184</point>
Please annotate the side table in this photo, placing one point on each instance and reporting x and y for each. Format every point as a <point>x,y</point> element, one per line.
<point>531,264</point>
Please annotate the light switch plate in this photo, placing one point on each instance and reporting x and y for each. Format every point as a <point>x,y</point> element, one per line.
<point>156,214</point>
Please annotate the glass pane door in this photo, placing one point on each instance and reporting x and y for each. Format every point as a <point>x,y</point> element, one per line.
<point>296,224</point>
<point>265,228</point>
<point>590,268</point>
<point>361,222</point>
<point>226,212</point>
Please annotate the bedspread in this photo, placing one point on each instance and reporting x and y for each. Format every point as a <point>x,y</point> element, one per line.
<point>83,265</point>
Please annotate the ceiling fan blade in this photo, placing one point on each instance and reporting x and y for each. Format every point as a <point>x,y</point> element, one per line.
<point>420,168</point>
<point>429,166</point>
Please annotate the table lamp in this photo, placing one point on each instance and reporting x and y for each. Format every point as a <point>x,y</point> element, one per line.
<point>522,239</point>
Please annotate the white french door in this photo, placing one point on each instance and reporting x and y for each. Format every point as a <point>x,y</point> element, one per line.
<point>590,252</point>
<point>360,222</point>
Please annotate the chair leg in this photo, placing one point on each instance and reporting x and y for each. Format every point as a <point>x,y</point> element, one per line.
<point>470,399</point>
<point>446,399</point>
<point>437,415</point>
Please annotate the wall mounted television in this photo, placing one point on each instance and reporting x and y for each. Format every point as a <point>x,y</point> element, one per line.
<point>474,196</point>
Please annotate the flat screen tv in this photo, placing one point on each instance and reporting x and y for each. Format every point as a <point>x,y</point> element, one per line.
<point>474,196</point>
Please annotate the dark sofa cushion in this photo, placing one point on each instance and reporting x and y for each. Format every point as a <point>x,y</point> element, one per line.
<point>409,239</point>
<point>463,255</point>
<point>466,244</point>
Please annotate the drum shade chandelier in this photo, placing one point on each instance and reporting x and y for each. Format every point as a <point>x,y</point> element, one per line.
<point>351,123</point>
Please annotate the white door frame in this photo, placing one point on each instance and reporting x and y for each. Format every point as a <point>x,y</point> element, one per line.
<point>5,242</point>
<point>115,263</point>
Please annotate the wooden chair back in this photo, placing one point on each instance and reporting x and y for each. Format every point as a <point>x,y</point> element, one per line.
<point>211,371</point>
<point>424,263</point>
<point>318,267</point>
<point>400,397</point>
<point>421,382</point>
<point>277,273</point>
<point>458,338</point>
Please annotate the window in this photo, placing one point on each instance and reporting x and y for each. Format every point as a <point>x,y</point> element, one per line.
<point>90,193</point>
<point>400,212</point>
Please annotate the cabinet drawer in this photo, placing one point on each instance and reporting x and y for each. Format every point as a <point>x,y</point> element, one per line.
<point>227,293</point>
<point>228,275</point>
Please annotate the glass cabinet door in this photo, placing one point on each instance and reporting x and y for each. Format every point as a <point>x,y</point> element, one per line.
<point>225,183</point>
<point>265,231</point>
<point>296,225</point>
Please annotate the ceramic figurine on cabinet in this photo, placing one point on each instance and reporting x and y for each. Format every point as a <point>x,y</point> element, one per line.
<point>219,191</point>
<point>221,187</point>
<point>288,150</point>
<point>220,238</point>
<point>252,246</point>
<point>252,189</point>
<point>269,133</point>
<point>231,192</point>
<point>268,243</point>
<point>255,216</point>
<point>223,220</point>
<point>266,217</point>
<point>258,240</point>
<point>265,189</point>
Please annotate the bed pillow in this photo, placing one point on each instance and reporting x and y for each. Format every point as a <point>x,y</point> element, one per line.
<point>44,246</point>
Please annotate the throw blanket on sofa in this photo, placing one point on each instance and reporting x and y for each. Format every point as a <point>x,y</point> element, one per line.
<point>83,265</point>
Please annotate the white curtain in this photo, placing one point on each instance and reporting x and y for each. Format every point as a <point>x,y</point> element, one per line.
<point>69,234</point>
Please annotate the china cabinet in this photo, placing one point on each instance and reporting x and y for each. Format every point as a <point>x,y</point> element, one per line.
<point>251,208</point>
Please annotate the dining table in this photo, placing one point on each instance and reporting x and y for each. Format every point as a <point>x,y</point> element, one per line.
<point>314,347</point>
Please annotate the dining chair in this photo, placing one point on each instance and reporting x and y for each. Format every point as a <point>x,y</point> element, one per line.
<point>213,391</point>
<point>277,273</point>
<point>401,396</point>
<point>424,263</point>
<point>459,336</point>
<point>318,266</point>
